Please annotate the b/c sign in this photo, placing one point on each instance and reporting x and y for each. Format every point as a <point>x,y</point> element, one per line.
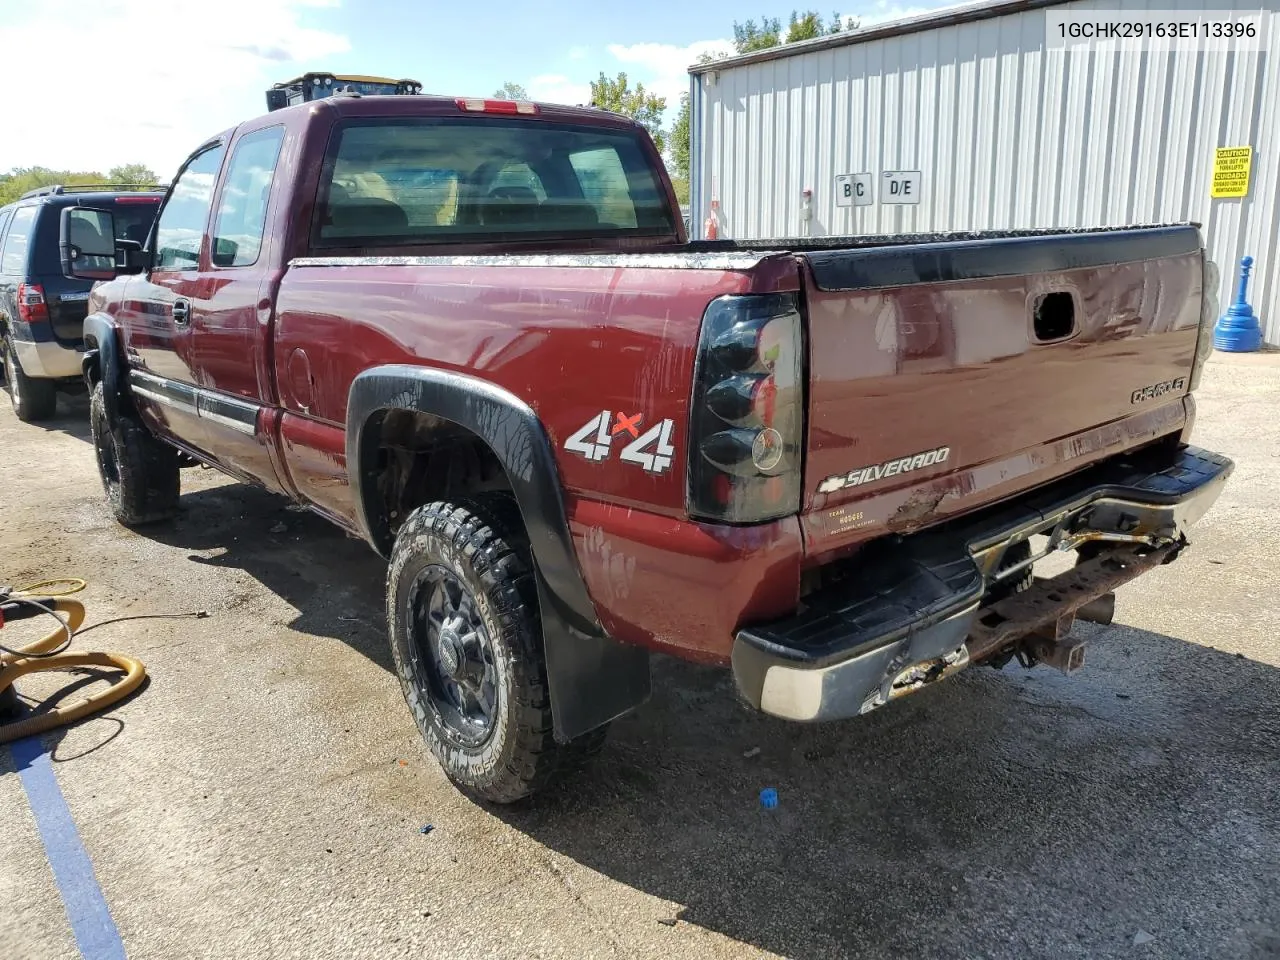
<point>853,190</point>
<point>900,186</point>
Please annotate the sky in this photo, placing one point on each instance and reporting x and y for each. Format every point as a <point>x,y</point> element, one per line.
<point>109,82</point>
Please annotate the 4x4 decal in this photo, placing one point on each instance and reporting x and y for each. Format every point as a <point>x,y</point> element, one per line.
<point>652,449</point>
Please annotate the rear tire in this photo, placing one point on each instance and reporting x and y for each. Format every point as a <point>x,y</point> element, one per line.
<point>462,612</point>
<point>33,400</point>
<point>139,473</point>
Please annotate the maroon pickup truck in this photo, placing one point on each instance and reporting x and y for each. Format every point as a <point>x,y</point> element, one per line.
<point>474,334</point>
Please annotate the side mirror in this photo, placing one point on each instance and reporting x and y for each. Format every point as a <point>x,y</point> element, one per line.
<point>87,243</point>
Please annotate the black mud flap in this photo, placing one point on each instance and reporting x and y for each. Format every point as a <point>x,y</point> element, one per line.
<point>593,678</point>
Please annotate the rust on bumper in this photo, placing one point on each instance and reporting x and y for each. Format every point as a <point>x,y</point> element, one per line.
<point>1047,603</point>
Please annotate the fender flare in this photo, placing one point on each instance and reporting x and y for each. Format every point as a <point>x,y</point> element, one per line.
<point>593,678</point>
<point>102,342</point>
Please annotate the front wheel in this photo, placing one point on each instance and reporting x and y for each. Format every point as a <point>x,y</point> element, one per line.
<point>139,473</point>
<point>462,612</point>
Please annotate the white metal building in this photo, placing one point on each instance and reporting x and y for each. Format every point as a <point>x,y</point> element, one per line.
<point>975,119</point>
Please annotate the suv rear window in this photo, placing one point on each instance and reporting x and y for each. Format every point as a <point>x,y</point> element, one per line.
<point>441,181</point>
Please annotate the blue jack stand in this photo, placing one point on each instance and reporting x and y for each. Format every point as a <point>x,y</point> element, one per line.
<point>1238,330</point>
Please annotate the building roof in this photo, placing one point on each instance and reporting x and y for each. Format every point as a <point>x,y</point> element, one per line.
<point>944,17</point>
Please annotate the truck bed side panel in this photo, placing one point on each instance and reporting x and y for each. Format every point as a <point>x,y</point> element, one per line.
<point>575,343</point>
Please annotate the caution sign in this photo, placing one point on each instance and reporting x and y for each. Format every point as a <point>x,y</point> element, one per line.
<point>1231,171</point>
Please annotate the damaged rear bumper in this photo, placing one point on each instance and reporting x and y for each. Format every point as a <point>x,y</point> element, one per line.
<point>908,611</point>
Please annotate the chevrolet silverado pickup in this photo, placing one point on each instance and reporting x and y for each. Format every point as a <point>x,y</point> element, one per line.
<point>475,334</point>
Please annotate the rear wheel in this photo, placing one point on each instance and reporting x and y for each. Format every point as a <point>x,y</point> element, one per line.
<point>139,473</point>
<point>32,399</point>
<point>462,612</point>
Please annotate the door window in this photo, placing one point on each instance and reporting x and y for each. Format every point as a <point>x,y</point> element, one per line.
<point>182,221</point>
<point>242,208</point>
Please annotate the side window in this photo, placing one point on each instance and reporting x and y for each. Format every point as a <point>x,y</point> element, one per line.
<point>604,183</point>
<point>183,219</point>
<point>14,259</point>
<point>4,222</point>
<point>242,209</point>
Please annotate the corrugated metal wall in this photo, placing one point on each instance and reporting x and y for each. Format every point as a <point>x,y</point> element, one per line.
<point>1006,133</point>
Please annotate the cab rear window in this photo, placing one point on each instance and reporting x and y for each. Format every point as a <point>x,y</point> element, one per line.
<point>430,180</point>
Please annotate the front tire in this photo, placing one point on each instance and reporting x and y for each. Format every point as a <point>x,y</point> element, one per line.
<point>462,611</point>
<point>139,473</point>
<point>33,400</point>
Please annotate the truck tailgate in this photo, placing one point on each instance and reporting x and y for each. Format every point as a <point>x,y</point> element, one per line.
<point>948,375</point>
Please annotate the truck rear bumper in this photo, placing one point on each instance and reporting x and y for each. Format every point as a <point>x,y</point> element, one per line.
<point>908,611</point>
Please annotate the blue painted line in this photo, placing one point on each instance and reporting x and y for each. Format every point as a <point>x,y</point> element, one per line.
<point>91,924</point>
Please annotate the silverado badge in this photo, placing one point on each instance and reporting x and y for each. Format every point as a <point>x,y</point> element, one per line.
<point>890,468</point>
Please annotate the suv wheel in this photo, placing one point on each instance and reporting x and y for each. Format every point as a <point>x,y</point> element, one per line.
<point>139,473</point>
<point>462,612</point>
<point>33,400</point>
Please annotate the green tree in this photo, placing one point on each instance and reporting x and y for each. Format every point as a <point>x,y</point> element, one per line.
<point>20,180</point>
<point>511,91</point>
<point>747,37</point>
<point>645,108</point>
<point>132,173</point>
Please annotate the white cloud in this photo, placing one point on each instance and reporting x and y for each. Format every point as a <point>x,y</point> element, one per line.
<point>664,67</point>
<point>557,88</point>
<point>137,81</point>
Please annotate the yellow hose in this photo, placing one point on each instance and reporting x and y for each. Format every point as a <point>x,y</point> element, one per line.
<point>42,588</point>
<point>26,660</point>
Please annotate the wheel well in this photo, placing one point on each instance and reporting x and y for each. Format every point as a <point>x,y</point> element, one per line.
<point>419,458</point>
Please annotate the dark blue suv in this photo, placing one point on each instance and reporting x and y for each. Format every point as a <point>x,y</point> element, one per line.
<point>41,311</point>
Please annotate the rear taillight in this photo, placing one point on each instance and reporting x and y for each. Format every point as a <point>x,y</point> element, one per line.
<point>747,416</point>
<point>1208,317</point>
<point>496,106</point>
<point>31,305</point>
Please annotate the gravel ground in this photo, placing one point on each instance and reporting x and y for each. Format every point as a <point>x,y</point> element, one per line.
<point>262,796</point>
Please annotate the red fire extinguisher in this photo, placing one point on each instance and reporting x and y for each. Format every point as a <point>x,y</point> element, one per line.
<point>711,229</point>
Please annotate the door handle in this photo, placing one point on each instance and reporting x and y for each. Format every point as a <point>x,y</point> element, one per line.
<point>182,311</point>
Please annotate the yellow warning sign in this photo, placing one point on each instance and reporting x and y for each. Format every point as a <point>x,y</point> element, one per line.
<point>1231,171</point>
